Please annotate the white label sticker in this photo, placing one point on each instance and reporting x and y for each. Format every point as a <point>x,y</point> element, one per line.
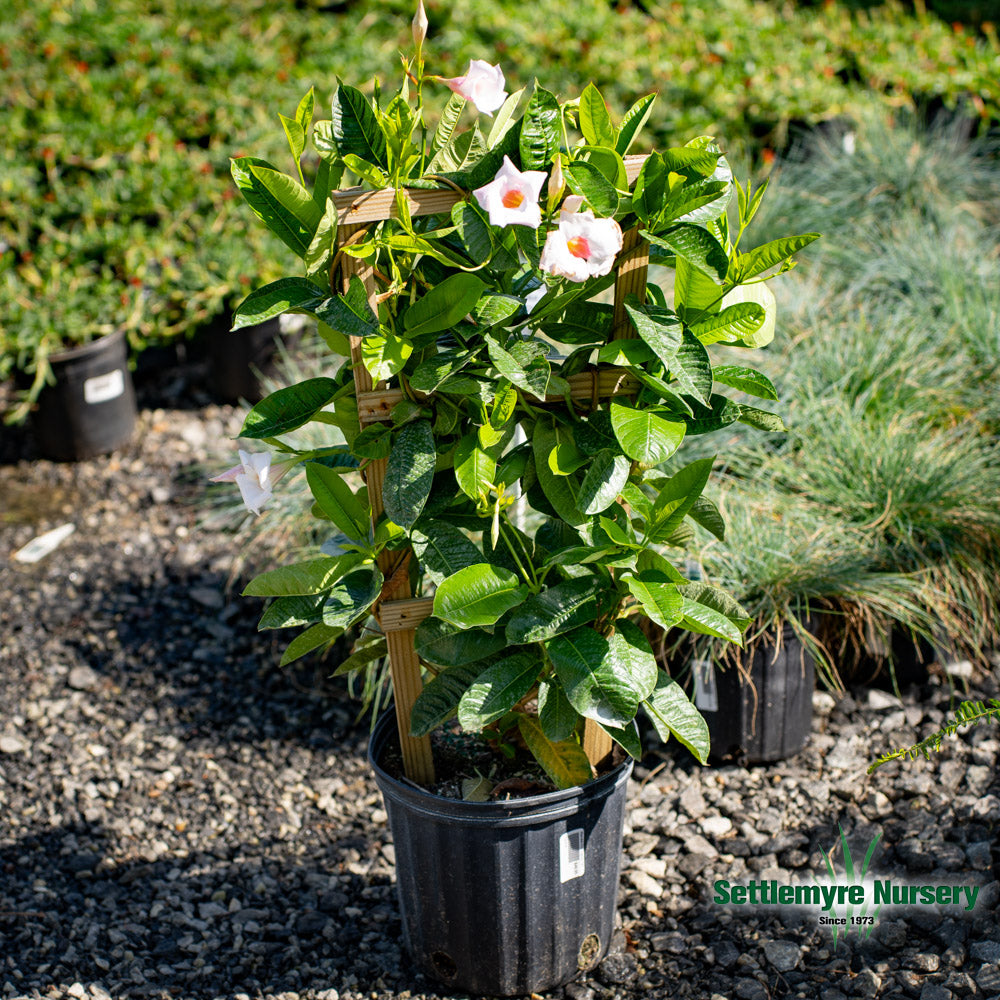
<point>572,861</point>
<point>101,388</point>
<point>706,694</point>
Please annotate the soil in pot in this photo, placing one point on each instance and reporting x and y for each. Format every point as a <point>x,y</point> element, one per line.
<point>510,897</point>
<point>90,408</point>
<point>758,709</point>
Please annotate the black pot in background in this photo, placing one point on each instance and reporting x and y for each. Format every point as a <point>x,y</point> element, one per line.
<point>505,898</point>
<point>237,359</point>
<point>90,409</point>
<point>763,707</point>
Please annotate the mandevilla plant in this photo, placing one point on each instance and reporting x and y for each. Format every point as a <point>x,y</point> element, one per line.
<point>537,512</point>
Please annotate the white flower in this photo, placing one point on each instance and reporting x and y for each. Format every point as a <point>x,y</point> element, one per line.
<point>581,246</point>
<point>533,298</point>
<point>255,477</point>
<point>511,198</point>
<point>482,84</point>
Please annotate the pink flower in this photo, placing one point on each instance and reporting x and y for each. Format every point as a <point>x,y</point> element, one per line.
<point>511,198</point>
<point>482,84</point>
<point>581,246</point>
<point>255,477</point>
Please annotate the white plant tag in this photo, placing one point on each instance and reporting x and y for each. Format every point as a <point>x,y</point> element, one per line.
<point>572,860</point>
<point>101,388</point>
<point>39,547</point>
<point>706,694</point>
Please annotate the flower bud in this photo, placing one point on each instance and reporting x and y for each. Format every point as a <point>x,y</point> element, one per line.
<point>419,25</point>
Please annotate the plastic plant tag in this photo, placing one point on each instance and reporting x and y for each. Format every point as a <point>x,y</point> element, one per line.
<point>102,388</point>
<point>572,860</point>
<point>706,694</point>
<point>38,548</point>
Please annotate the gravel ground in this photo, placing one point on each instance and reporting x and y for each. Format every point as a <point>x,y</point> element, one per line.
<point>180,818</point>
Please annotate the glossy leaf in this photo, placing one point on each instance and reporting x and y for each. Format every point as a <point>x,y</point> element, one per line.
<point>586,179</point>
<point>560,491</point>
<point>673,714</point>
<point>739,321</point>
<point>595,122</point>
<point>309,577</point>
<point>385,355</point>
<point>660,600</point>
<point>711,611</point>
<point>288,612</point>
<point>478,595</point>
<point>763,258</point>
<point>760,295</point>
<point>632,123</point>
<point>557,716</point>
<point>355,129</point>
<point>409,473</point>
<point>747,380</point>
<point>286,224</point>
<point>556,609</point>
<point>696,245</point>
<point>676,497</point>
<point>324,242</point>
<point>442,547</point>
<point>350,313</point>
<point>606,474</point>
<point>692,368</point>
<point>348,602</point>
<point>565,762</point>
<point>288,408</point>
<point>660,328</point>
<point>498,689</point>
<point>281,296</point>
<point>444,305</point>
<point>647,436</point>
<point>541,131</point>
<point>705,513</point>
<point>447,645</point>
<point>311,639</point>
<point>439,699</point>
<point>338,502</point>
<point>475,469</point>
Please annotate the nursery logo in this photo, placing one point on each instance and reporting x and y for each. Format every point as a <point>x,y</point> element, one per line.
<point>848,901</point>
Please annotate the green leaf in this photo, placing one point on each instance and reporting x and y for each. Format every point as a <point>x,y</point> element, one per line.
<point>705,513</point>
<point>646,435</point>
<point>595,122</point>
<point>373,442</point>
<point>304,112</point>
<point>760,295</point>
<point>315,636</point>
<point>565,762</point>
<point>409,473</point>
<point>711,611</point>
<point>475,469</point>
<point>281,296</point>
<point>498,689</point>
<point>747,380</point>
<point>659,328</point>
<point>269,208</point>
<point>560,491</point>
<point>366,171</point>
<point>439,699</point>
<point>676,497</point>
<point>597,678</point>
<point>532,377</point>
<point>374,648</point>
<point>650,188</point>
<point>632,123</point>
<point>288,612</point>
<point>632,649</point>
<point>288,408</point>
<point>352,596</point>
<point>626,353</point>
<point>442,547</point>
<point>697,246</point>
<point>355,129</point>
<point>448,122</point>
<point>312,576</point>
<point>324,243</point>
<point>556,609</point>
<point>504,119</point>
<point>557,716</point>
<point>350,313</point>
<point>606,474</point>
<point>692,368</point>
<point>721,413</point>
<point>431,373</point>
<point>586,179</point>
<point>385,355</point>
<point>736,322</point>
<point>627,737</point>
<point>672,714</point>
<point>541,130</point>
<point>478,595</point>
<point>659,600</point>
<point>695,293</point>
<point>763,258</point>
<point>448,302</point>
<point>447,645</point>
<point>338,502</point>
<point>474,230</point>
<point>296,136</point>
<point>763,420</point>
<point>289,193</point>
<point>495,309</point>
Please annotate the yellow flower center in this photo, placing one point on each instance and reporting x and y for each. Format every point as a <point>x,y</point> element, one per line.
<point>512,199</point>
<point>578,247</point>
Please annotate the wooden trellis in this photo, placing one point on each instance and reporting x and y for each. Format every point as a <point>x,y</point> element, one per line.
<point>398,612</point>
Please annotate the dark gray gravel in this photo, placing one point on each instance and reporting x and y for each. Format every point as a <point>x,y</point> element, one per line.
<point>180,818</point>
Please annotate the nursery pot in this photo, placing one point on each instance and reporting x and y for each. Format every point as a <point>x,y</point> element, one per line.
<point>237,359</point>
<point>90,409</point>
<point>505,898</point>
<point>760,711</point>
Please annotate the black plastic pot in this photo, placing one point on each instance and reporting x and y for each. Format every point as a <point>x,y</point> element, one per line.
<point>90,409</point>
<point>237,359</point>
<point>505,898</point>
<point>764,706</point>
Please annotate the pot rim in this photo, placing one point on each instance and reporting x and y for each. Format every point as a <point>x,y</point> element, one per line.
<point>91,347</point>
<point>514,812</point>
